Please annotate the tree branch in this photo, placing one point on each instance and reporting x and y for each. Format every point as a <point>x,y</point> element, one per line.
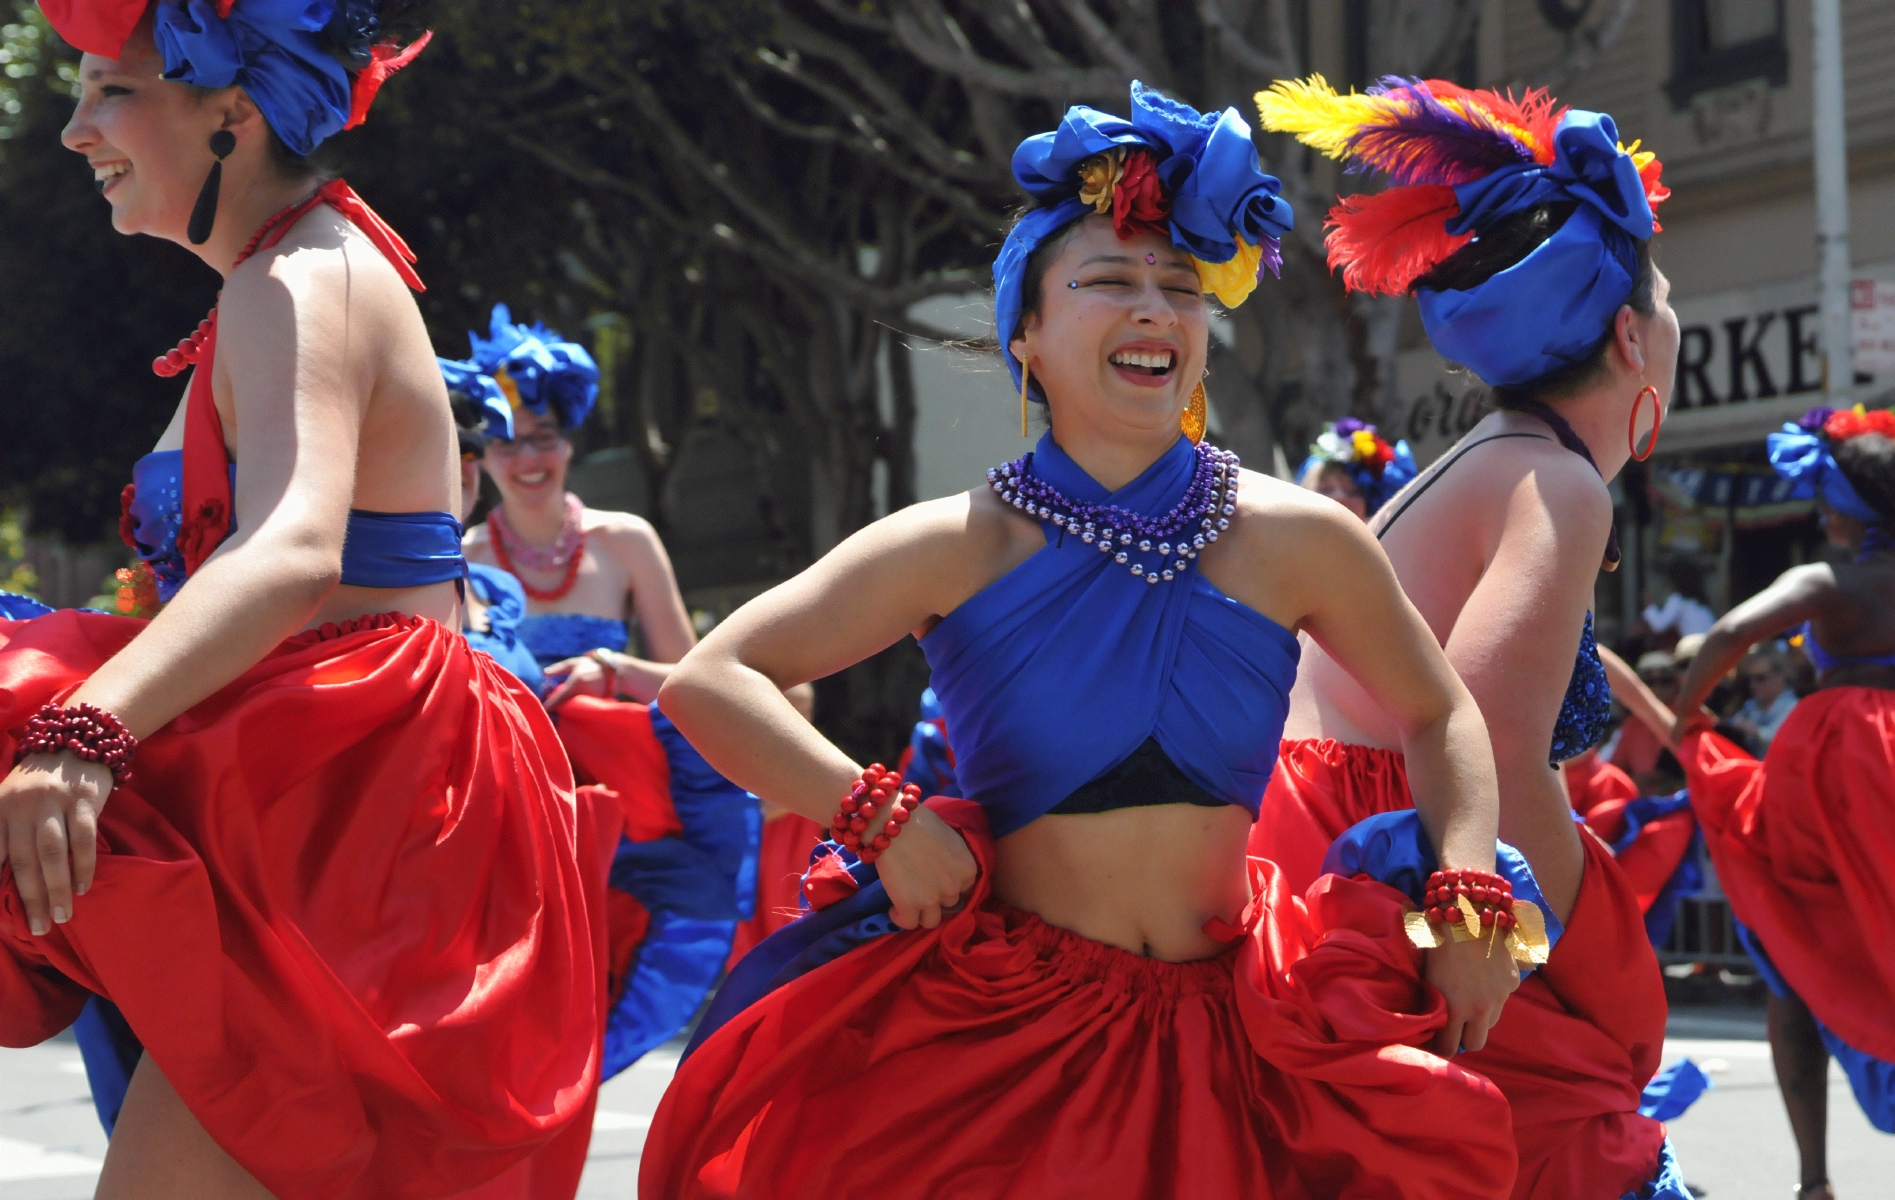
<point>1235,44</point>
<point>951,53</point>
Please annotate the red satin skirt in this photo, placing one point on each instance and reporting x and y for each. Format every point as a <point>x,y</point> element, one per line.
<point>788,839</point>
<point>1600,793</point>
<point>999,1057</point>
<point>342,906</point>
<point>1804,845</point>
<point>1585,1032</point>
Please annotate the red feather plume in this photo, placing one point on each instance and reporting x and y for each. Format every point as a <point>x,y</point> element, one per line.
<point>1535,112</point>
<point>1417,138</point>
<point>1384,241</point>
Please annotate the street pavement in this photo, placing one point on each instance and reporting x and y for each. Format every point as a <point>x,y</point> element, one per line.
<point>1734,1143</point>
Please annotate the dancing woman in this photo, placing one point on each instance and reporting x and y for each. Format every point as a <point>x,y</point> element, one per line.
<point>581,568</point>
<point>1353,464</point>
<point>679,840</point>
<point>1524,232</point>
<point>1802,841</point>
<point>1084,988</point>
<point>318,853</point>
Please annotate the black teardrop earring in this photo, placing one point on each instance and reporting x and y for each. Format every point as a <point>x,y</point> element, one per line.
<point>204,212</point>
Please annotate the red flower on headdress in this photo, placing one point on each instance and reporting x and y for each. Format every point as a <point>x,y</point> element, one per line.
<point>1139,204</point>
<point>1853,422</point>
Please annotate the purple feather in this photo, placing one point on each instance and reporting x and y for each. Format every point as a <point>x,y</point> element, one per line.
<point>1272,260</point>
<point>1428,142</point>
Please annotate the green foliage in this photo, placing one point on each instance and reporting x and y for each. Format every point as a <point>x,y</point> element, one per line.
<point>16,574</point>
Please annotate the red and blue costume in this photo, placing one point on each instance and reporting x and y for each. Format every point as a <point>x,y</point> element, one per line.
<point>998,1055</point>
<point>342,902</point>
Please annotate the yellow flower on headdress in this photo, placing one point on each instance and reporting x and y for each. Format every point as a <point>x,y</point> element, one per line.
<point>1099,177</point>
<point>510,388</point>
<point>1364,445</point>
<point>1232,282</point>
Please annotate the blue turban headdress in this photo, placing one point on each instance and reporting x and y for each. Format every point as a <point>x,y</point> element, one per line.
<point>1801,454</point>
<point>1461,162</point>
<point>536,369</point>
<point>1223,210</point>
<point>1377,468</point>
<point>311,66</point>
<point>490,401</point>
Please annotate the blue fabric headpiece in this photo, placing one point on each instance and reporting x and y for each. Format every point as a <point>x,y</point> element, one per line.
<point>542,370</point>
<point>1376,490</point>
<point>1552,307</point>
<point>270,49</point>
<point>496,413</point>
<point>1803,458</point>
<point>1205,162</point>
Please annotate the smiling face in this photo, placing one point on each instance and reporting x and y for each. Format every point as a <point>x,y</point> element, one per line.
<point>1121,332</point>
<point>530,470</point>
<point>147,140</point>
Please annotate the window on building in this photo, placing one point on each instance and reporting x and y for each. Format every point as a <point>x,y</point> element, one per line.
<point>1718,43</point>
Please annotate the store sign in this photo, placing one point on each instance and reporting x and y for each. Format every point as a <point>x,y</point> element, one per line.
<point>1735,349</point>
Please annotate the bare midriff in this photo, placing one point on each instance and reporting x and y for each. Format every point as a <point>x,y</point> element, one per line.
<point>1142,879</point>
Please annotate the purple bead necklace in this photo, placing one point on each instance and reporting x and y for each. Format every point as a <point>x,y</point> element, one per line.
<point>1134,539</point>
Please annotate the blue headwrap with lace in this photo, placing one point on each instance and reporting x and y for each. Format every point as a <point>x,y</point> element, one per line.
<point>1223,210</point>
<point>1801,454</point>
<point>1551,308</point>
<point>536,370</point>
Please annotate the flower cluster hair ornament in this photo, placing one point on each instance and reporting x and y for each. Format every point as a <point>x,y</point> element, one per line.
<point>1803,452</point>
<point>1459,162</point>
<point>1377,468</point>
<point>1191,176</point>
<point>532,368</point>
<point>312,67</point>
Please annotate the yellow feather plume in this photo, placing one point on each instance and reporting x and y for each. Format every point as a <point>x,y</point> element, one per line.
<point>1316,113</point>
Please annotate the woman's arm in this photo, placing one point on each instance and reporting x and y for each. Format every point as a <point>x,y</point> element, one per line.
<point>1639,700</point>
<point>1793,599</point>
<point>869,592</point>
<point>299,388</point>
<point>636,678</point>
<point>662,619</point>
<point>1358,613</point>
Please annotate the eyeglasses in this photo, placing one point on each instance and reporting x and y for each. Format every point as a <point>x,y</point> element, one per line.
<point>538,443</point>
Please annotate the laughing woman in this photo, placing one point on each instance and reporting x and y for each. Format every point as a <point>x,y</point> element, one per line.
<point>1084,988</point>
<point>318,853</point>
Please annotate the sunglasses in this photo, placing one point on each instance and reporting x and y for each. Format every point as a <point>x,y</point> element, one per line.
<point>538,443</point>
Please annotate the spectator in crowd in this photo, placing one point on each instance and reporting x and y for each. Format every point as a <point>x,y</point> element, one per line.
<point>1684,611</point>
<point>1638,751</point>
<point>1771,698</point>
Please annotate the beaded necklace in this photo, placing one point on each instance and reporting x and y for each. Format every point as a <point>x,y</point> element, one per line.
<point>1133,538</point>
<point>173,362</point>
<point>567,552</point>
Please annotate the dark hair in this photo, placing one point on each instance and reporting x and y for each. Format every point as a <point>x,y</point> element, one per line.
<point>1506,245</point>
<point>1867,461</point>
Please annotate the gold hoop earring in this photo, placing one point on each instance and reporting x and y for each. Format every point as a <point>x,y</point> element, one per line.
<point>1195,415</point>
<point>1026,369</point>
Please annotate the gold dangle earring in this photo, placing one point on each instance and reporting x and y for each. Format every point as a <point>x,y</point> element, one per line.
<point>1026,368</point>
<point>1195,415</point>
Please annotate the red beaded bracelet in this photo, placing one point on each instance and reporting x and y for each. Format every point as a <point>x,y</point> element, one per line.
<point>83,731</point>
<point>878,791</point>
<point>1490,895</point>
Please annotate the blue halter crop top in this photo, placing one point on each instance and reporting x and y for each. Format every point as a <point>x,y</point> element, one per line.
<point>553,637</point>
<point>1066,667</point>
<point>1585,711</point>
<point>382,550</point>
<point>1823,660</point>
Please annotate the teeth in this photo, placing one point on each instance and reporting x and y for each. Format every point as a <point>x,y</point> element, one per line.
<point>109,171</point>
<point>530,480</point>
<point>1138,358</point>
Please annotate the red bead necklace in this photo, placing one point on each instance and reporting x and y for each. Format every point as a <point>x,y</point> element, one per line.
<point>499,542</point>
<point>173,362</point>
